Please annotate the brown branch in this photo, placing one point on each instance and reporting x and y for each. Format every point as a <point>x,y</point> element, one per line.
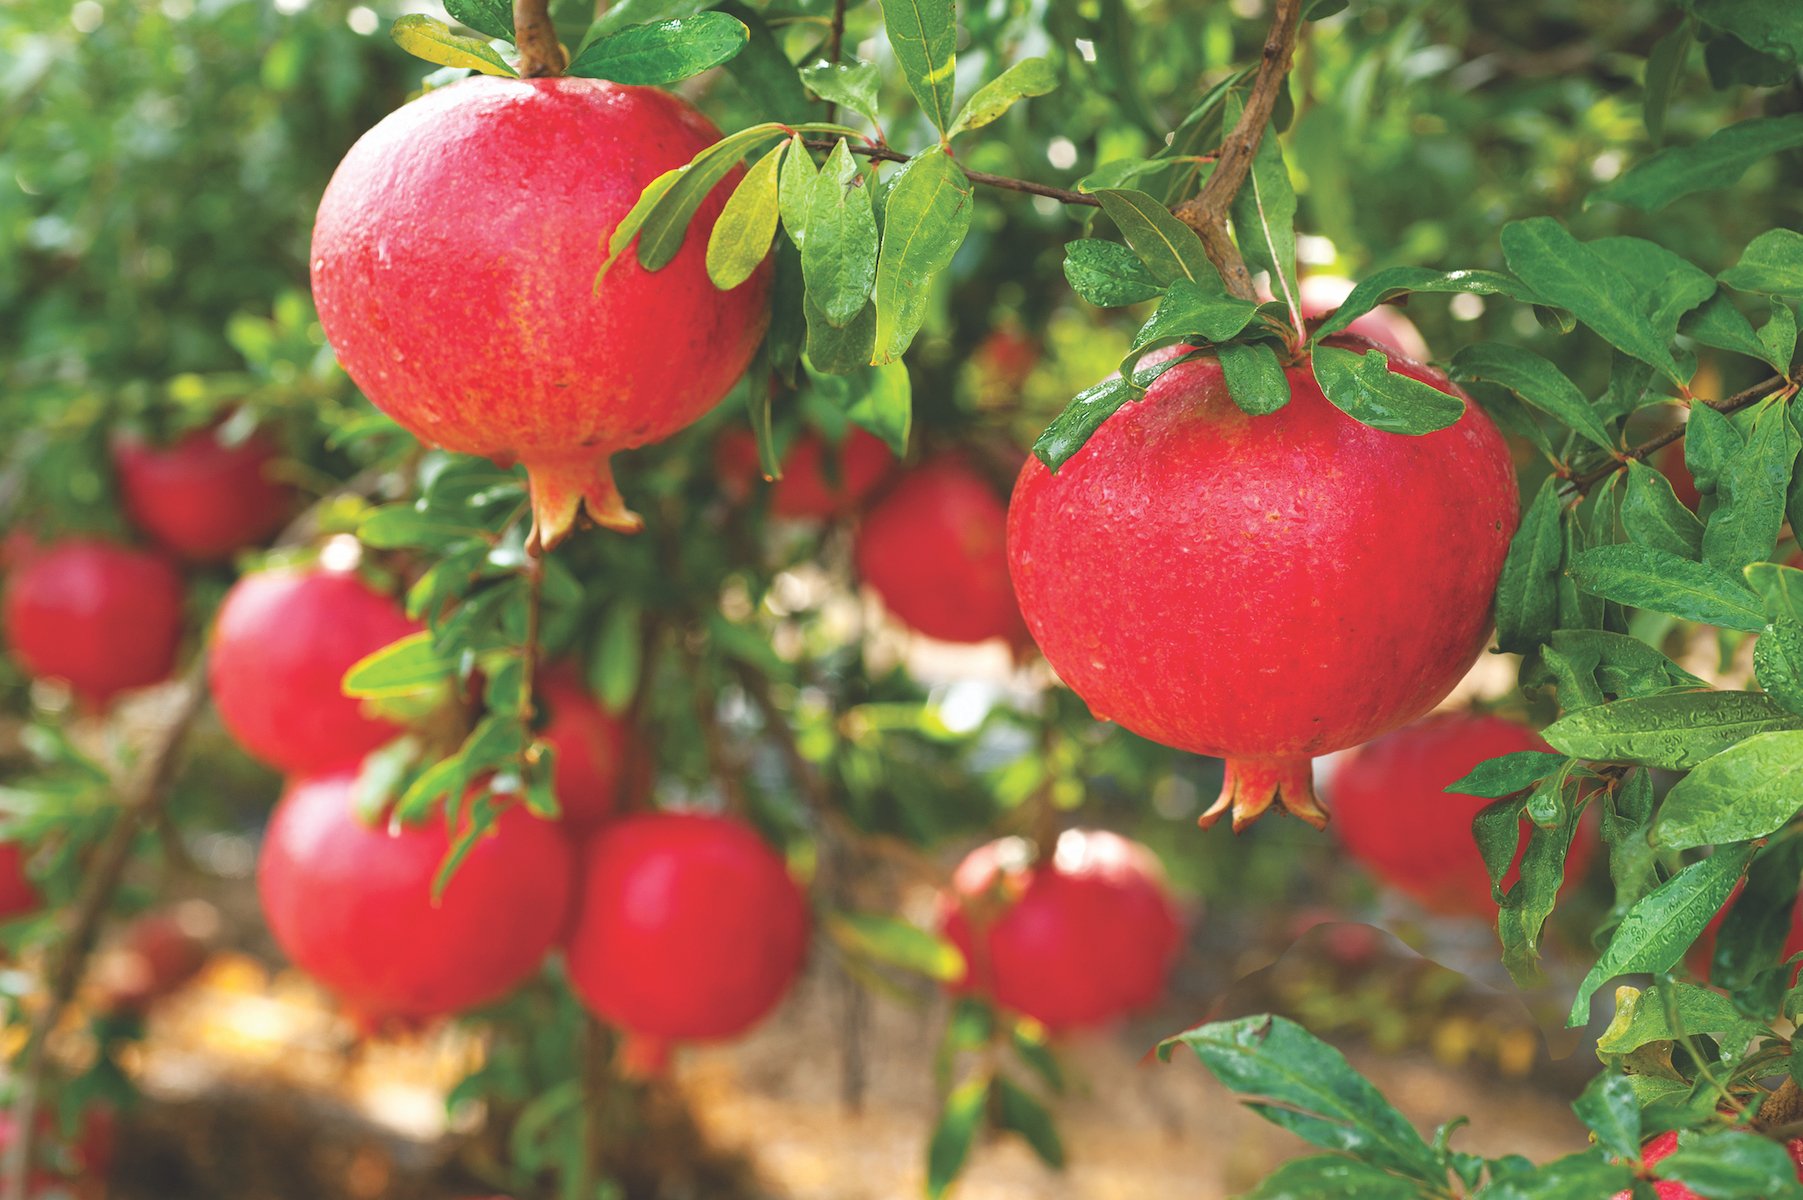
<point>1733,404</point>
<point>541,54</point>
<point>835,47</point>
<point>1206,212</point>
<point>881,153</point>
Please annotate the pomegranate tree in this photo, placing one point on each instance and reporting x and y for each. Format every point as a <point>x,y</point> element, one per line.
<point>859,464</point>
<point>589,745</point>
<point>97,616</point>
<point>687,927</point>
<point>1075,942</point>
<point>1263,588</point>
<point>934,548</point>
<point>491,336</point>
<point>351,902</point>
<point>281,644</point>
<point>200,498</point>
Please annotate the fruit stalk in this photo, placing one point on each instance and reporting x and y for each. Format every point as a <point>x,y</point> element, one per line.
<point>536,37</point>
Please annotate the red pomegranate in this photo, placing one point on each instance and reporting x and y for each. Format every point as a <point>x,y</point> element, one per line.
<point>1263,589</point>
<point>590,748</point>
<point>687,928</point>
<point>1701,956</point>
<point>1385,324</point>
<point>1075,943</point>
<point>489,336</point>
<point>1670,461</point>
<point>352,905</point>
<point>1392,811</point>
<point>156,956</point>
<point>1666,1144</point>
<point>282,642</point>
<point>199,498</point>
<point>934,547</point>
<point>18,895</point>
<point>862,461</point>
<point>100,617</point>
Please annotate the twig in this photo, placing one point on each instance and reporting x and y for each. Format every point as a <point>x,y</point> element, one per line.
<point>534,573</point>
<point>1206,212</point>
<point>1733,404</point>
<point>835,48</point>
<point>541,54</point>
<point>140,799</point>
<point>1007,183</point>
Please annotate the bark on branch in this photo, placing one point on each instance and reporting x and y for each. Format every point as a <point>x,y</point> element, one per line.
<point>536,39</point>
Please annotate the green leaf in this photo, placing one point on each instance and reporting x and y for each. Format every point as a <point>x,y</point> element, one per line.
<point>1255,379</point>
<point>624,13</point>
<point>849,83</point>
<point>1778,664</point>
<point>491,18</point>
<point>1718,161</point>
<point>1169,248</point>
<point>1535,380</point>
<point>1718,323</point>
<point>1398,281</point>
<point>1506,774</point>
<point>795,190</point>
<point>431,39</point>
<point>1729,1164</point>
<point>839,257</point>
<point>1749,790</point>
<point>1743,528</point>
<point>1088,409</point>
<point>1264,218</point>
<point>1771,264</point>
<point>924,34</point>
<point>1018,1111</point>
<point>1188,311</point>
<point>835,351</point>
<point>1109,275</point>
<point>1710,443</point>
<point>1301,1083</point>
<point>1530,900</point>
<point>1570,274</point>
<point>1653,515</point>
<point>1333,1175</point>
<point>405,526</point>
<point>1667,1012</point>
<point>1659,928</point>
<point>1608,1108</point>
<point>634,221</point>
<point>661,217</point>
<point>878,399</point>
<point>1623,665</point>
<point>1780,588</point>
<point>1643,577</point>
<point>615,662</point>
<point>956,1129</point>
<point>401,668</point>
<point>1779,337</point>
<point>1365,389</point>
<point>1676,730</point>
<point>1527,593</point>
<point>924,222</point>
<point>742,235</point>
<point>898,943</point>
<point>1031,1042</point>
<point>1663,66</point>
<point>1028,77</point>
<point>1750,942</point>
<point>1771,27</point>
<point>653,55</point>
<point>1579,1176</point>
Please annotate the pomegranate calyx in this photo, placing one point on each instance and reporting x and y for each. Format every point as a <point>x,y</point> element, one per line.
<point>566,488</point>
<point>1251,785</point>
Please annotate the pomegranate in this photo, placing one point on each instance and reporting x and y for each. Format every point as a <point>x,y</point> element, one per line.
<point>18,895</point>
<point>100,617</point>
<point>352,905</point>
<point>590,748</point>
<point>934,548</point>
<point>1005,359</point>
<point>1701,956</point>
<point>1394,815</point>
<point>282,642</point>
<point>687,928</point>
<point>1670,461</point>
<point>1263,589</point>
<point>199,498</point>
<point>1666,1144</point>
<point>1075,943</point>
<point>1385,324</point>
<point>862,462</point>
<point>489,336</point>
<point>155,957</point>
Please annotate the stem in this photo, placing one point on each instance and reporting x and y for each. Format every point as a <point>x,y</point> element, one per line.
<point>1206,212</point>
<point>534,573</point>
<point>881,153</point>
<point>835,48</point>
<point>1733,404</point>
<point>536,39</point>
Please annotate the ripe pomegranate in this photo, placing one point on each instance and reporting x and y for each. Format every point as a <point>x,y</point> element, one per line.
<point>489,336</point>
<point>1073,943</point>
<point>282,642</point>
<point>1393,813</point>
<point>199,498</point>
<point>934,548</point>
<point>1670,461</point>
<point>687,928</point>
<point>1263,589</point>
<point>1666,1144</point>
<point>862,461</point>
<point>590,748</point>
<point>352,905</point>
<point>1385,324</point>
<point>100,617</point>
<point>18,895</point>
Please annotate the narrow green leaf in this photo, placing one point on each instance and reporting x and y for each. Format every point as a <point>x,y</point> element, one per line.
<point>1668,286</point>
<point>1109,275</point>
<point>1718,161</point>
<point>1663,66</point>
<point>956,1130</point>
<point>1743,527</point>
<point>1654,516</point>
<point>1778,664</point>
<point>666,223</point>
<point>668,51</point>
<point>924,222</point>
<point>1536,380</point>
<point>1028,77</point>
<point>884,405</point>
<point>401,668</point>
<point>839,258</point>
<point>1088,409</point>
<point>1665,1013</point>
<point>1718,323</point>
<point>924,34</point>
<point>1772,264</point>
<point>615,662</point>
<point>491,18</point>
<point>1780,588</point>
<point>1779,337</point>
<point>1018,1111</point>
<point>1333,1175</point>
<point>1188,311</point>
<point>431,39</point>
<point>1529,902</point>
<point>839,351</point>
<point>624,13</point>
<point>1397,281</point>
<point>1507,774</point>
<point>1609,1109</point>
<point>898,943</point>
<point>741,237</point>
<point>404,526</point>
<point>1676,730</point>
<point>1643,577</point>
<point>1527,593</point>
<point>795,190</point>
<point>849,83</point>
<point>1169,248</point>
<point>1365,389</point>
<point>1624,666</point>
<point>1749,790</point>
<point>1264,217</point>
<point>1769,26</point>
<point>1710,443</point>
<point>1255,379</point>
<point>634,221</point>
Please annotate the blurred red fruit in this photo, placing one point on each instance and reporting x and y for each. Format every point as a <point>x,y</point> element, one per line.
<point>1666,1144</point>
<point>862,461</point>
<point>1385,324</point>
<point>18,895</point>
<point>1670,461</point>
<point>199,498</point>
<point>154,958</point>
<point>590,748</point>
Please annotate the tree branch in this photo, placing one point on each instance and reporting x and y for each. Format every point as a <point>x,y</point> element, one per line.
<point>1581,484</point>
<point>536,38</point>
<point>835,48</point>
<point>880,153</point>
<point>1206,212</point>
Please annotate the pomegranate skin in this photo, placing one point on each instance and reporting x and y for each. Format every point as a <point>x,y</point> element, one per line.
<point>1392,812</point>
<point>282,642</point>
<point>1666,1144</point>
<point>1263,589</point>
<point>1385,324</point>
<point>200,499</point>
<point>803,493</point>
<point>1076,944</point>
<point>352,906</point>
<point>18,895</point>
<point>100,617</point>
<point>934,548</point>
<point>687,928</point>
<point>590,748</point>
<point>489,336</point>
